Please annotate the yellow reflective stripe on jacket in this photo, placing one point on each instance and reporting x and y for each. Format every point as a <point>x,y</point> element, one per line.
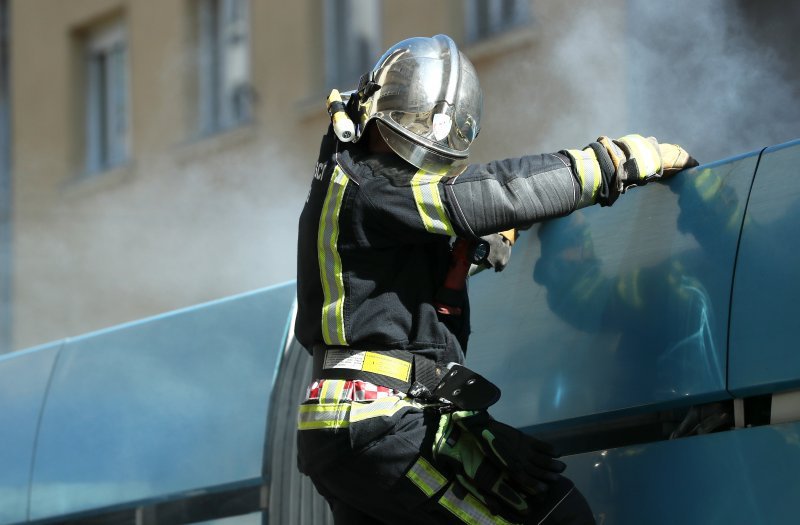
<point>425,187</point>
<point>330,262</point>
<point>470,510</point>
<point>323,415</point>
<point>313,416</point>
<point>426,477</point>
<point>384,407</point>
<point>588,169</point>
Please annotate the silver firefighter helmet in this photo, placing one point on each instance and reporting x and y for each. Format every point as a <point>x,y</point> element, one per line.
<point>424,96</point>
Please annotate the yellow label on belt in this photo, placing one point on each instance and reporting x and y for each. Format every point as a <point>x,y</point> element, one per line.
<point>386,365</point>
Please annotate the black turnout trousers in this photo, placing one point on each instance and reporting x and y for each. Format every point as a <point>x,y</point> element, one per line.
<point>372,463</point>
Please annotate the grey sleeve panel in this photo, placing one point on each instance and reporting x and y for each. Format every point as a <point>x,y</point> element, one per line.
<point>511,193</point>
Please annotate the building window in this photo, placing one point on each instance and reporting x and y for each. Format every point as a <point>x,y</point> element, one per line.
<point>487,18</point>
<point>225,92</point>
<point>352,40</point>
<point>107,103</point>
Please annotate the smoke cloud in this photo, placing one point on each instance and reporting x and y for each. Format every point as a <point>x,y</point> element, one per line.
<point>721,77</point>
<point>717,76</point>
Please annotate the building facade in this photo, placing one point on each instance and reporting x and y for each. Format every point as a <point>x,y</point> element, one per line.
<point>156,153</point>
<point>162,149</point>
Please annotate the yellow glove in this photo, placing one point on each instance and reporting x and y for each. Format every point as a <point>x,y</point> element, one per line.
<point>674,158</point>
<point>606,168</point>
<point>651,160</point>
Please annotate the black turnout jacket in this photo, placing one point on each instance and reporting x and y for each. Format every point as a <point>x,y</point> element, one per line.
<point>375,236</point>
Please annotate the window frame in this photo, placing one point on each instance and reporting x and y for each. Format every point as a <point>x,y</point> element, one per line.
<point>338,43</point>
<point>107,111</point>
<point>497,23</point>
<point>218,88</point>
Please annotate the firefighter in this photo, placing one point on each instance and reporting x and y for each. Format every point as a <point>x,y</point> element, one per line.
<point>394,429</point>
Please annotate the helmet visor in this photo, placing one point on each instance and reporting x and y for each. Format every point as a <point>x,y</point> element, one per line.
<point>414,99</point>
<point>419,155</point>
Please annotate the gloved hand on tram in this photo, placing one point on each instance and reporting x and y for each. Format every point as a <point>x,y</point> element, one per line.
<point>499,464</point>
<point>458,451</point>
<point>674,158</point>
<point>639,160</point>
<point>530,462</point>
<point>606,168</point>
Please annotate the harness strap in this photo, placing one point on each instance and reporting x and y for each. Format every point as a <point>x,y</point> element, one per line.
<point>410,373</point>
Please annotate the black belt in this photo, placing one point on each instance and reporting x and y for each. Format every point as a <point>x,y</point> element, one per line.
<point>413,374</point>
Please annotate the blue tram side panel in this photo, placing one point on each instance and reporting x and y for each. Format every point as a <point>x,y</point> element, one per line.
<point>684,294</point>
<point>605,324</point>
<point>153,410</point>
